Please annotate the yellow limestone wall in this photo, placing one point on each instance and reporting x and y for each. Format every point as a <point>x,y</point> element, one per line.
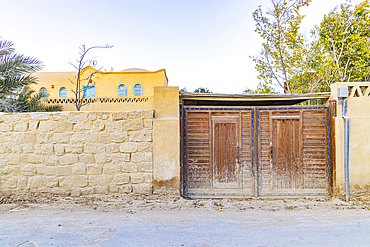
<point>358,112</point>
<point>106,85</point>
<point>166,139</point>
<point>93,151</point>
<point>77,152</point>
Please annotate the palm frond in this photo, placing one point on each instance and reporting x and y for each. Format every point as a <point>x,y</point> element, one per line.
<point>15,70</point>
<point>27,101</point>
<point>53,108</point>
<point>6,47</point>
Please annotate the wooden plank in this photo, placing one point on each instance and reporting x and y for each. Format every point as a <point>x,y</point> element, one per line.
<point>198,131</point>
<point>201,141</point>
<point>286,117</point>
<point>315,164</point>
<point>284,113</point>
<point>299,141</point>
<point>198,127</point>
<point>197,157</point>
<point>246,150</point>
<point>225,151</point>
<point>197,144</point>
<point>197,124</point>
<point>198,136</point>
<point>198,140</point>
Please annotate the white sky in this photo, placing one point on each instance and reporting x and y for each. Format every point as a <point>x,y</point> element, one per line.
<point>200,43</point>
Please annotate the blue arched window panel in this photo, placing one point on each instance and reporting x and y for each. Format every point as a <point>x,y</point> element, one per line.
<point>122,90</point>
<point>138,89</point>
<point>89,91</point>
<point>63,92</point>
<point>43,92</point>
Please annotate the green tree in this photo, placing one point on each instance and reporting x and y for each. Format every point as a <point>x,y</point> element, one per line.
<point>247,91</point>
<point>283,53</point>
<point>261,89</point>
<point>264,89</point>
<point>15,70</point>
<point>340,51</point>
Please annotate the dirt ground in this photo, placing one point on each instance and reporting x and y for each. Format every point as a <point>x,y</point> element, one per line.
<point>168,202</point>
<point>169,220</point>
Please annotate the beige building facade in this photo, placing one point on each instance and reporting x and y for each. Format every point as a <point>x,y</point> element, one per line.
<point>136,149</point>
<point>352,136</point>
<point>127,146</point>
<point>132,89</point>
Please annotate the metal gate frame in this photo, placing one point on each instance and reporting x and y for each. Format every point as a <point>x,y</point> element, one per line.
<point>183,151</point>
<point>258,152</point>
<point>256,159</point>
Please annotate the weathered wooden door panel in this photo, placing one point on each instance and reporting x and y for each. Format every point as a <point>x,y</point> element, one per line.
<point>218,152</point>
<point>286,153</point>
<point>225,155</point>
<point>316,149</point>
<point>293,151</point>
<point>198,145</point>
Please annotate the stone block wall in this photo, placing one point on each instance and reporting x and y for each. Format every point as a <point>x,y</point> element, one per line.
<point>77,152</point>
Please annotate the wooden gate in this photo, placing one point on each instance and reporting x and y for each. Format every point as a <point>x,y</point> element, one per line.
<point>288,157</point>
<point>293,151</point>
<point>218,157</point>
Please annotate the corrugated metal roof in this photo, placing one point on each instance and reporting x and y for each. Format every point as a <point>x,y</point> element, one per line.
<point>248,99</point>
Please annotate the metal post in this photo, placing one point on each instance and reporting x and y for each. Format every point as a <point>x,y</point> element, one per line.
<point>346,149</point>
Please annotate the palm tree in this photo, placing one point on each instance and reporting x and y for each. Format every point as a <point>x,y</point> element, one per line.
<point>15,74</point>
<point>15,70</point>
<point>27,101</point>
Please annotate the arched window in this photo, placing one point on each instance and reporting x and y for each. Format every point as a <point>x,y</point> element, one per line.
<point>122,90</point>
<point>89,91</point>
<point>43,92</point>
<point>138,89</point>
<point>63,92</point>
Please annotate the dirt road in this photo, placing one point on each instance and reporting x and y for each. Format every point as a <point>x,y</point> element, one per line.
<point>173,221</point>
